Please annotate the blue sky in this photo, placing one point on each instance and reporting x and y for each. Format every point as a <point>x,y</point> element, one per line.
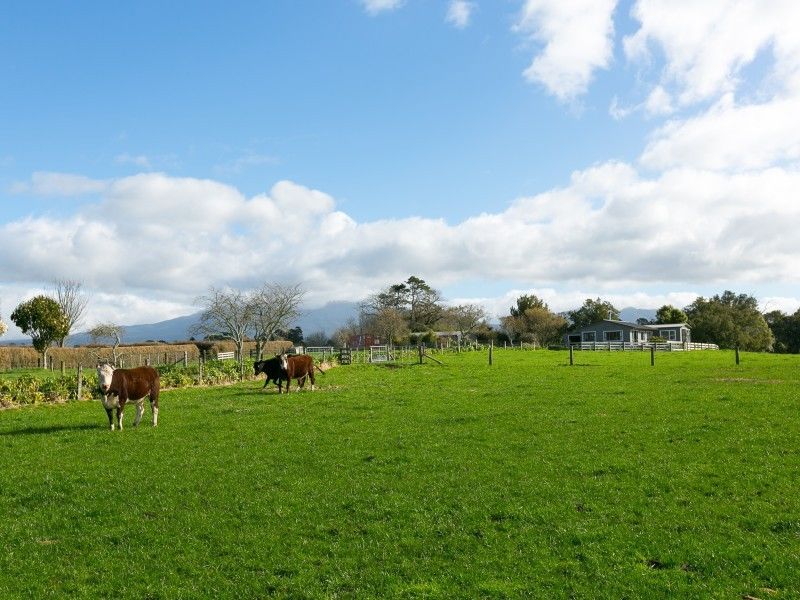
<point>568,149</point>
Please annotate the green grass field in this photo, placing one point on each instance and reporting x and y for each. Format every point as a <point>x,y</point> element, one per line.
<point>529,478</point>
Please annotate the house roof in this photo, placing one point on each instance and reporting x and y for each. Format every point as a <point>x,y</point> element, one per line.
<point>637,326</point>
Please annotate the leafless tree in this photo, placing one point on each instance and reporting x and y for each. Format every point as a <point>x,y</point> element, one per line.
<point>111,332</point>
<point>227,314</point>
<point>464,318</point>
<point>73,303</point>
<point>389,324</point>
<point>274,307</point>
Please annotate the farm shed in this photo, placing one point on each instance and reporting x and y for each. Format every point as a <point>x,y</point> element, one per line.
<point>630,333</point>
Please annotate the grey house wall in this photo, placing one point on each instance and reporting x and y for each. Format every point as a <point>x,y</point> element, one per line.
<point>620,331</point>
<point>630,333</point>
<point>681,333</point>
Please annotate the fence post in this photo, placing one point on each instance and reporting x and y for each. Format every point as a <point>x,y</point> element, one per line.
<point>653,355</point>
<point>62,367</point>
<point>185,359</point>
<point>570,355</point>
<point>737,355</point>
<point>491,347</point>
<point>421,352</point>
<point>80,381</point>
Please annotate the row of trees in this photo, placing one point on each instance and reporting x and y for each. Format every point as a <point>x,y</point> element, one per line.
<point>409,311</point>
<point>728,319</point>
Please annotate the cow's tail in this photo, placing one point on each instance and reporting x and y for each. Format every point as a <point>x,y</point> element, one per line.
<point>318,369</point>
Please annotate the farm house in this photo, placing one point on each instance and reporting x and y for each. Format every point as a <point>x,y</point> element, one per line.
<point>629,333</point>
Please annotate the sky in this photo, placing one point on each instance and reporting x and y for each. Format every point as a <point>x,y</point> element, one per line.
<point>643,151</point>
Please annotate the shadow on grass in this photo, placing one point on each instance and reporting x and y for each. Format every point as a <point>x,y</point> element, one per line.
<point>50,429</point>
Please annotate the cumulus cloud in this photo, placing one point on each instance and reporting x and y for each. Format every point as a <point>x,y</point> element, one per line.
<point>373,7</point>
<point>729,136</point>
<point>577,38</point>
<point>706,45</point>
<point>166,239</point>
<point>459,13</point>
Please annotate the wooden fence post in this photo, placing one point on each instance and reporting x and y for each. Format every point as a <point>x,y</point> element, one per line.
<point>491,347</point>
<point>80,381</point>
<point>185,359</point>
<point>570,355</point>
<point>653,355</point>
<point>62,367</point>
<point>737,355</point>
<point>421,353</point>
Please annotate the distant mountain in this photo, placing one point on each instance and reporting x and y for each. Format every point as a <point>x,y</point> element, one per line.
<point>632,314</point>
<point>327,318</point>
<point>172,330</point>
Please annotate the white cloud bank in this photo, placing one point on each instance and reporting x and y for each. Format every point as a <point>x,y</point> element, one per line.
<point>165,240</point>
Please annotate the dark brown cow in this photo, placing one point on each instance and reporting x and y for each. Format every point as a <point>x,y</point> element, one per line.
<point>297,367</point>
<point>121,385</point>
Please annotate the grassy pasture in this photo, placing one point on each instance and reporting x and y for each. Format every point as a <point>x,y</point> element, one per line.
<point>530,478</point>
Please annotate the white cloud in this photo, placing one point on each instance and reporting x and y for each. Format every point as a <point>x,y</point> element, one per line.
<point>577,38</point>
<point>459,13</point>
<point>728,136</point>
<point>44,183</point>
<point>166,240</point>
<point>706,45</point>
<point>373,7</point>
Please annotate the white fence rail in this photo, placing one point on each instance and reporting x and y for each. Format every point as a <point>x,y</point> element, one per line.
<point>661,347</point>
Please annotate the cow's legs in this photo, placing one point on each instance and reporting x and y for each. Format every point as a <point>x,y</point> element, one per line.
<point>120,414</point>
<point>139,412</point>
<point>110,413</point>
<point>154,408</point>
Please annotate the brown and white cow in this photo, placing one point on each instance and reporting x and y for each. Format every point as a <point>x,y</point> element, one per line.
<point>297,366</point>
<point>119,386</point>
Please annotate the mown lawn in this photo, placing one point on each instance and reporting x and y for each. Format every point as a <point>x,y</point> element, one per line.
<point>529,478</point>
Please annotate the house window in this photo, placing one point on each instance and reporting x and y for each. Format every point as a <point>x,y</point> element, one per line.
<point>574,339</point>
<point>668,334</point>
<point>588,336</point>
<point>613,336</point>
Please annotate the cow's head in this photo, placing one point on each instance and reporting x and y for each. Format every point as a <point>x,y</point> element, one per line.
<point>284,362</point>
<point>104,374</point>
<point>259,367</point>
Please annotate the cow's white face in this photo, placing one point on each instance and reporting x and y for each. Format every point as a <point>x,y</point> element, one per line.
<point>104,374</point>
<point>284,362</point>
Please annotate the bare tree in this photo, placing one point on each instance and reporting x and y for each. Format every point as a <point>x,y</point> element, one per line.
<point>274,307</point>
<point>72,302</point>
<point>465,318</point>
<point>111,332</point>
<point>389,324</point>
<point>227,314</point>
<point>347,331</point>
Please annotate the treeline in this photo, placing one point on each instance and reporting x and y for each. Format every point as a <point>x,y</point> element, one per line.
<point>413,311</point>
